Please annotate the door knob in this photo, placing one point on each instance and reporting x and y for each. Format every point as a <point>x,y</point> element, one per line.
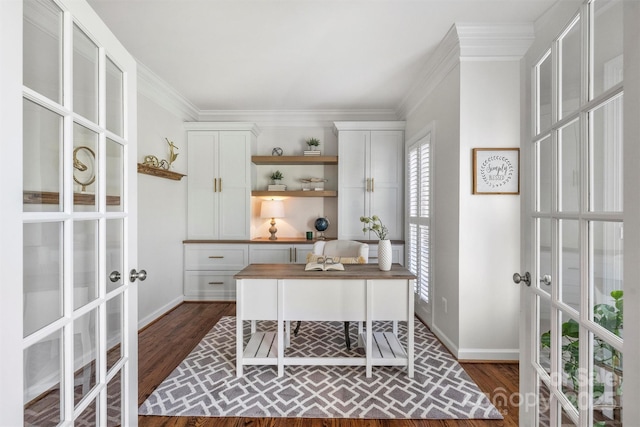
<point>140,275</point>
<point>526,278</point>
<point>546,280</point>
<point>114,276</point>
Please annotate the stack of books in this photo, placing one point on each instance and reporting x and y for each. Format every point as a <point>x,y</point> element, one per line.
<point>277,187</point>
<point>311,152</point>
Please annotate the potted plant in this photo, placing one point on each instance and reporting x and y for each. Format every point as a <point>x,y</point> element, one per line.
<point>607,361</point>
<point>277,177</point>
<point>374,223</point>
<point>313,144</point>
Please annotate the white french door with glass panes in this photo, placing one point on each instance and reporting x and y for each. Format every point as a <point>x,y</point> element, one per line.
<point>418,219</point>
<point>572,350</point>
<point>69,220</point>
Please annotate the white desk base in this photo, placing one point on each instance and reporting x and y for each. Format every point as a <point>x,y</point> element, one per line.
<point>327,299</point>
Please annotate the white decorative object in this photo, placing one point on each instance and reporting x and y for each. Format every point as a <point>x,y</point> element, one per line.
<point>384,255</point>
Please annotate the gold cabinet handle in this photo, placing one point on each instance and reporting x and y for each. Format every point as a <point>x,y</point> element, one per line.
<point>216,283</point>
<point>367,185</point>
<point>216,257</point>
<point>372,185</point>
<point>215,185</point>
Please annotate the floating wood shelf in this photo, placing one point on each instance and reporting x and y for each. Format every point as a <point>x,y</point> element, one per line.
<point>294,160</point>
<point>324,193</point>
<point>162,173</point>
<point>53,198</point>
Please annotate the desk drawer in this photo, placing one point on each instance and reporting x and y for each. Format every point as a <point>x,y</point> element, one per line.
<point>216,257</point>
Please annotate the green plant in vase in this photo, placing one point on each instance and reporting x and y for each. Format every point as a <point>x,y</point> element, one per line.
<point>313,143</point>
<point>277,176</point>
<point>605,357</point>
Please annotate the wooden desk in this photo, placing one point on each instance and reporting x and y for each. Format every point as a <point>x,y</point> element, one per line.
<point>362,293</point>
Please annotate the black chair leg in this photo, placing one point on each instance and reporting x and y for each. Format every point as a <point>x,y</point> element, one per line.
<point>295,331</point>
<point>347,338</point>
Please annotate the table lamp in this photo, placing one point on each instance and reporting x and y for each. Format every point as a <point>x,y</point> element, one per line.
<point>272,209</point>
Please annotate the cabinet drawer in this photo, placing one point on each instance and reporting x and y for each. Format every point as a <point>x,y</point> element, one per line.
<point>199,285</point>
<point>216,257</point>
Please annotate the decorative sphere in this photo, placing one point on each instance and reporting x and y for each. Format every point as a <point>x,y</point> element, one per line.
<point>322,224</point>
<point>277,151</point>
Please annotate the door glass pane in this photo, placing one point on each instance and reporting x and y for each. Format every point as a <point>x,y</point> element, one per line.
<point>42,288</point>
<point>565,419</point>
<point>89,416</point>
<point>544,94</point>
<point>115,320</point>
<point>544,255</point>
<point>42,168</point>
<point>607,47</point>
<point>85,164</point>
<point>42,379</point>
<point>84,350</point>
<point>42,49</point>
<point>569,172</point>
<point>544,404</point>
<point>544,175</point>
<point>85,262</point>
<point>606,157</point>
<point>570,357</point>
<point>114,401</point>
<point>115,254</point>
<point>85,75</point>
<point>570,264</point>
<point>606,274</point>
<point>544,332</point>
<point>570,65</point>
<point>115,171</point>
<point>607,384</point>
<point>114,99</point>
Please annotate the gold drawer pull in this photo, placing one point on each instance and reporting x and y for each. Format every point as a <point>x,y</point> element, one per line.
<point>216,257</point>
<point>216,283</point>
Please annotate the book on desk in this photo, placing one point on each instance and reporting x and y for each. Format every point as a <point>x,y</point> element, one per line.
<point>324,264</point>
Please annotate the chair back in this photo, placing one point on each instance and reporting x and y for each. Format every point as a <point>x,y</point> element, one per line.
<point>350,251</point>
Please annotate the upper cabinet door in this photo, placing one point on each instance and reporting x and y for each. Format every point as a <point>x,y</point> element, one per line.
<point>201,192</point>
<point>234,185</point>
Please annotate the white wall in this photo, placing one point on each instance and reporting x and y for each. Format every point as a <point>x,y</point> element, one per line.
<point>162,212</point>
<point>475,239</point>
<point>442,108</point>
<point>489,224</point>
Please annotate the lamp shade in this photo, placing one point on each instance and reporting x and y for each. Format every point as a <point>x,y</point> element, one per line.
<point>272,209</point>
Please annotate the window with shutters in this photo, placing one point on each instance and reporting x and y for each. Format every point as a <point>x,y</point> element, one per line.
<point>419,218</point>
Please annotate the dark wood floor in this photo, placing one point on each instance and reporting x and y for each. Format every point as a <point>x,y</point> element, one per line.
<point>166,342</point>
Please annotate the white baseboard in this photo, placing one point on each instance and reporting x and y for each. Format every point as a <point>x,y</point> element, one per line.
<point>489,354</point>
<point>159,312</point>
<point>445,340</point>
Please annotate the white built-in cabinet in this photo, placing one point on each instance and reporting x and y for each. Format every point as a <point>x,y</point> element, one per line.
<point>279,253</point>
<point>209,270</point>
<point>370,177</point>
<point>219,180</point>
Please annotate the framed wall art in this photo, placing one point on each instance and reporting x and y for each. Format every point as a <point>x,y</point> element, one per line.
<point>496,171</point>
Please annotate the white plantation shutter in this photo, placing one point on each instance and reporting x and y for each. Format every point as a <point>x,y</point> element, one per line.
<point>419,220</point>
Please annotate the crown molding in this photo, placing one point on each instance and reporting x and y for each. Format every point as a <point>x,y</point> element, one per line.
<point>445,58</point>
<point>244,126</point>
<point>296,118</point>
<point>467,42</point>
<point>156,89</point>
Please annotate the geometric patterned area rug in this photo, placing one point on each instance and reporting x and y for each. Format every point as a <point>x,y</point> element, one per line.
<point>205,383</point>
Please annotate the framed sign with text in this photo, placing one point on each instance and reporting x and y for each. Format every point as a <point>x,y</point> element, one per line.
<point>496,171</point>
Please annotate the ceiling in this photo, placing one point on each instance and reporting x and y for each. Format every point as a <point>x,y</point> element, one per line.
<point>295,55</point>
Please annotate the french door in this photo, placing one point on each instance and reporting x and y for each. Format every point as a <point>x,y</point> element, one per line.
<point>572,358</point>
<point>76,225</point>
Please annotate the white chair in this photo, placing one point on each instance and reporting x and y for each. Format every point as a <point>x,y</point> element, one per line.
<point>349,252</point>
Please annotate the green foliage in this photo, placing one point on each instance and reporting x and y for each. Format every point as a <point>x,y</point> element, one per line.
<point>610,317</point>
<point>313,142</point>
<point>374,224</point>
<point>277,175</point>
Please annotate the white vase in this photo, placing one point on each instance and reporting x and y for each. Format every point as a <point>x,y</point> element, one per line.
<point>384,255</point>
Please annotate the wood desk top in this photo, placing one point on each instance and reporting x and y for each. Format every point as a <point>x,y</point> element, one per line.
<point>296,271</point>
